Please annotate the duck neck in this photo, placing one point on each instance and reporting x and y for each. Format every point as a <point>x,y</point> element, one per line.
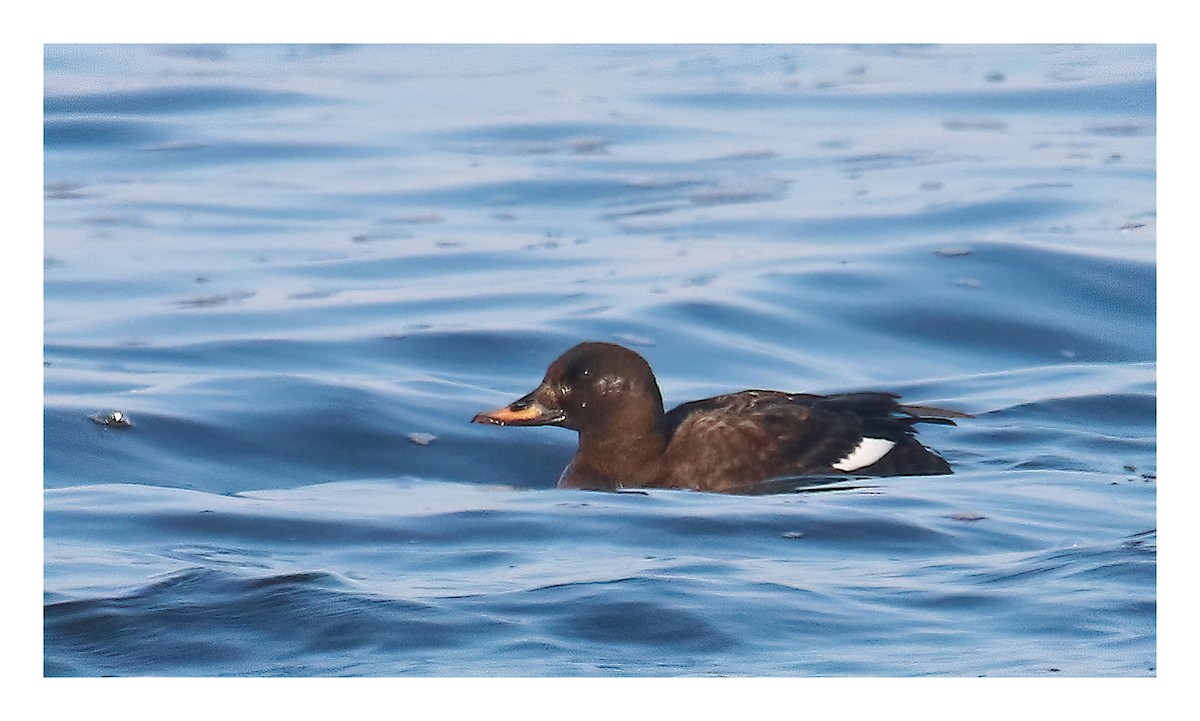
<point>625,454</point>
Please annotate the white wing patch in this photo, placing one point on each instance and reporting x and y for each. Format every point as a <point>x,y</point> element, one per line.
<point>867,452</point>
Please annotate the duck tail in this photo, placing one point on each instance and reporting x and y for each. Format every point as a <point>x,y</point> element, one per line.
<point>931,414</point>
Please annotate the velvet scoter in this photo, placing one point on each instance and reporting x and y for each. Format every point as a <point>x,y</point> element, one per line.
<point>734,443</point>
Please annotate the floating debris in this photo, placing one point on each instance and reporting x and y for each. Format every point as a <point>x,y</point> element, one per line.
<point>953,252</point>
<point>984,124</point>
<point>209,301</point>
<point>311,295</point>
<point>1118,130</point>
<point>64,191</point>
<point>421,439</point>
<point>112,419</point>
<point>589,146</point>
<point>750,192</point>
<point>966,516</point>
<point>750,155</point>
<point>415,219</point>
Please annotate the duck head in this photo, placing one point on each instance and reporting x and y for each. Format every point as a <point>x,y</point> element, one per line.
<point>591,386</point>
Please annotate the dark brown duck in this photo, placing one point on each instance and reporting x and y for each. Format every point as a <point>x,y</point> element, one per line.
<point>734,443</point>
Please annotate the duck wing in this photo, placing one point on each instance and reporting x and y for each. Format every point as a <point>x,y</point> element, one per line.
<point>721,442</point>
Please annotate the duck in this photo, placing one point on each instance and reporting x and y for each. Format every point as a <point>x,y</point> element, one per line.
<point>746,442</point>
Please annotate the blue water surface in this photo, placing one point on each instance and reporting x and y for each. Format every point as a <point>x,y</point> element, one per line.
<point>300,271</point>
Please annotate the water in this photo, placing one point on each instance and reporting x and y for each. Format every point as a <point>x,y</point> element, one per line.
<point>299,271</point>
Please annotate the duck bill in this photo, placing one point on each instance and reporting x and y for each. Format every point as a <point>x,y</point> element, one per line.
<point>526,411</point>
